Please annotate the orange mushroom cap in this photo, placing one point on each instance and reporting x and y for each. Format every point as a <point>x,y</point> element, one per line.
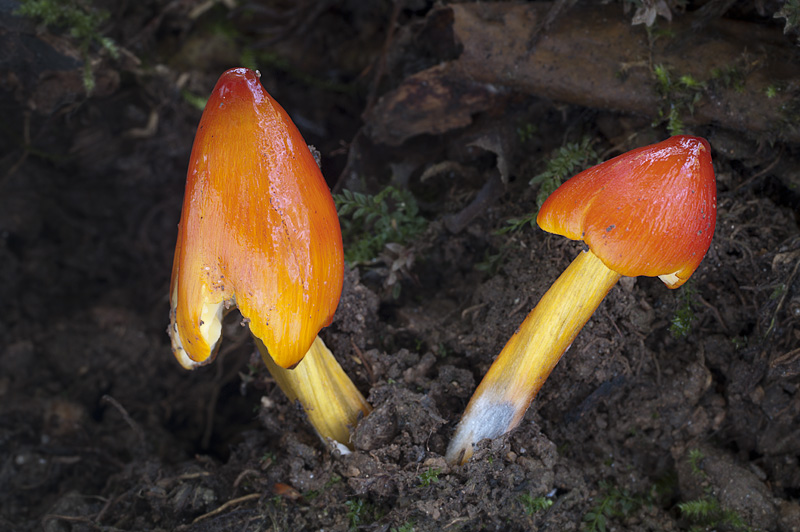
<point>258,230</point>
<point>650,211</point>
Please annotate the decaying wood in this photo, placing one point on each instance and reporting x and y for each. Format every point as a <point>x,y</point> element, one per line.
<point>593,56</point>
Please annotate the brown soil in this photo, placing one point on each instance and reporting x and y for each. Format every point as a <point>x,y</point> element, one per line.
<point>100,429</point>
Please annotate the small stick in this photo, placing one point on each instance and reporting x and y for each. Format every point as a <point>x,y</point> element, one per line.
<point>232,502</point>
<point>128,419</point>
<point>364,360</point>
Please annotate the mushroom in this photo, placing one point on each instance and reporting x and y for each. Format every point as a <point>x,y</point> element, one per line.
<point>651,212</point>
<point>259,231</point>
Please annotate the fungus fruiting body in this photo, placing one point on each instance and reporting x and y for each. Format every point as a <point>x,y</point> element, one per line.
<point>259,231</point>
<point>651,212</point>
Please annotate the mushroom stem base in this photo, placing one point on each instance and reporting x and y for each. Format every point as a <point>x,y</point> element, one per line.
<point>328,396</point>
<point>516,376</point>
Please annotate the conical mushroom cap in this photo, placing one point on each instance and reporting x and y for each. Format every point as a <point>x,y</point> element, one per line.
<point>651,211</point>
<point>258,230</point>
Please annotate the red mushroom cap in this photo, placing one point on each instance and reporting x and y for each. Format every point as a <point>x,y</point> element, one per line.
<point>651,211</point>
<point>259,229</point>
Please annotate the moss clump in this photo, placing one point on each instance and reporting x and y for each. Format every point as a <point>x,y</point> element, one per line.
<point>81,21</point>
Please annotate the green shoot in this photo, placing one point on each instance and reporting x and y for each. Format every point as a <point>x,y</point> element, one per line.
<point>663,81</point>
<point>677,97</point>
<point>313,494</point>
<point>533,505</point>
<point>198,102</point>
<point>707,513</point>
<point>82,22</point>
<point>405,527</point>
<point>355,511</point>
<point>695,457</point>
<point>371,222</point>
<point>526,132</point>
<point>335,479</point>
<point>674,122</point>
<point>777,292</point>
<point>564,163</point>
<point>515,224</point>
<point>614,503</point>
<point>682,319</point>
<point>730,77</point>
<point>360,512</point>
<point>267,459</point>
<point>491,262</point>
<point>688,82</point>
<point>771,91</point>
<point>428,477</point>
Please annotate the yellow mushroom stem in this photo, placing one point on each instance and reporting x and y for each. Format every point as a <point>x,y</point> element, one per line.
<point>328,396</point>
<point>526,361</point>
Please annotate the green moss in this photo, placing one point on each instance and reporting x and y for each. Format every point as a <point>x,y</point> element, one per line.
<point>662,77</point>
<point>682,319</point>
<point>695,457</point>
<point>526,132</point>
<point>707,513</point>
<point>564,162</point>
<point>82,22</point>
<point>679,95</point>
<point>428,477</point>
<point>729,77</point>
<point>361,512</point>
<point>198,102</point>
<point>370,222</point>
<point>613,503</point>
<point>491,262</point>
<point>356,511</point>
<point>771,91</point>
<point>533,505</point>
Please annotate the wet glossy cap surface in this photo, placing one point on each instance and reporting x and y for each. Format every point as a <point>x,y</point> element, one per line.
<point>258,230</point>
<point>651,211</point>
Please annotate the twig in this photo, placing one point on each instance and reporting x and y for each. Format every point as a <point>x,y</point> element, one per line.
<point>456,521</point>
<point>614,324</point>
<point>474,308</point>
<point>761,173</point>
<point>716,313</point>
<point>79,519</point>
<point>783,299</point>
<point>242,475</point>
<point>658,366</point>
<point>791,356</point>
<point>192,476</point>
<point>107,506</point>
<point>219,381</point>
<point>364,361</point>
<point>107,399</point>
<point>522,303</point>
<point>232,502</point>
